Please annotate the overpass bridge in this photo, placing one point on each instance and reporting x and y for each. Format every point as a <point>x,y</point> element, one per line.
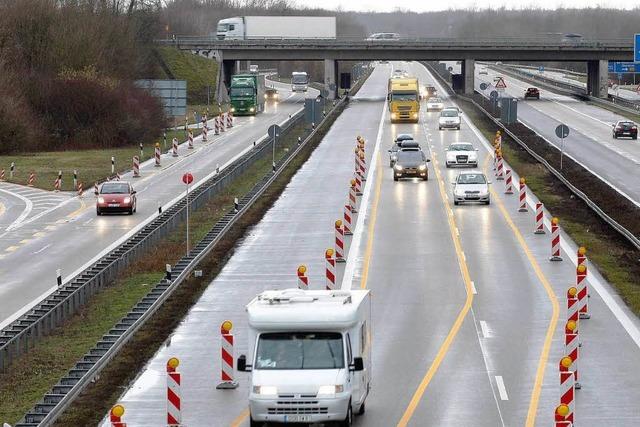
<point>596,53</point>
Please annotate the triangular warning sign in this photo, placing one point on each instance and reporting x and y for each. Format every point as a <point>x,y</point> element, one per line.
<point>500,84</point>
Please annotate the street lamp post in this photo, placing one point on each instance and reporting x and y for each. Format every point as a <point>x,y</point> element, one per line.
<point>187,178</point>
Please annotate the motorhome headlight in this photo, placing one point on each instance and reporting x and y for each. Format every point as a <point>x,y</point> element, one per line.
<point>330,390</point>
<point>265,390</point>
<point>252,109</point>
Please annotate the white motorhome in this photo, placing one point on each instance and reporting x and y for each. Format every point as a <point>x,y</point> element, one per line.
<point>309,356</point>
<point>299,81</point>
<point>276,27</point>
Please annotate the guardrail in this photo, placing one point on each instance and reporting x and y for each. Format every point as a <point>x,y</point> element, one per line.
<point>635,241</point>
<point>62,394</point>
<point>19,336</point>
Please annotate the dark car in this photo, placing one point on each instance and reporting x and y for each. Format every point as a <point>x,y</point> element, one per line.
<point>116,196</point>
<point>532,92</point>
<point>625,128</point>
<point>430,91</point>
<point>397,143</point>
<point>411,163</point>
<point>271,94</point>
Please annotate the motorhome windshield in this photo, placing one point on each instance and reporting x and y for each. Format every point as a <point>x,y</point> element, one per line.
<point>300,79</point>
<point>300,350</point>
<point>404,96</point>
<point>241,91</point>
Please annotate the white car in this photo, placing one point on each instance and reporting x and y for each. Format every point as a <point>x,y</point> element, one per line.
<point>435,104</point>
<point>449,118</point>
<point>462,154</point>
<point>471,186</point>
<point>483,72</point>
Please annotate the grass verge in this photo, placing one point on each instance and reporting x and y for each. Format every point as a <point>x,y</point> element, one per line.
<point>200,73</point>
<point>615,258</point>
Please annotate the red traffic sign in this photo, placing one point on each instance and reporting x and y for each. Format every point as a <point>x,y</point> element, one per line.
<point>500,84</point>
<point>187,178</point>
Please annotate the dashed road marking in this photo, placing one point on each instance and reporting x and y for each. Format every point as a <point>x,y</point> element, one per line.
<point>486,333</point>
<point>502,390</point>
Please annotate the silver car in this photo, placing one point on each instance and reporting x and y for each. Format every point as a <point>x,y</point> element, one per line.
<point>471,186</point>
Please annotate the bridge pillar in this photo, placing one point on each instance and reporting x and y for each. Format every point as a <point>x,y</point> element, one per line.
<point>331,77</point>
<point>229,68</point>
<point>597,77</point>
<point>468,74</point>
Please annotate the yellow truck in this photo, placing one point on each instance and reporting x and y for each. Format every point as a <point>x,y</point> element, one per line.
<point>404,99</point>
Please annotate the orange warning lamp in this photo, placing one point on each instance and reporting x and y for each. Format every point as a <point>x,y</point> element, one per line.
<point>581,268</point>
<point>562,410</point>
<point>566,361</point>
<point>555,220</point>
<point>522,181</point>
<point>338,223</point>
<point>573,291</point>
<point>117,411</point>
<point>571,325</point>
<point>173,363</point>
<point>226,327</point>
<point>302,269</point>
<point>353,182</point>
<point>328,253</point>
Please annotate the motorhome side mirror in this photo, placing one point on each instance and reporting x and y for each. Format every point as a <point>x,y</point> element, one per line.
<point>358,364</point>
<point>242,364</point>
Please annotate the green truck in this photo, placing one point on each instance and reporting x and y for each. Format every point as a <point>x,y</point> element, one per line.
<point>247,94</point>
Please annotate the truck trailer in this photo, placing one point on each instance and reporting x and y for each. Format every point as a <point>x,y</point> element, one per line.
<point>276,27</point>
<point>404,99</point>
<point>309,355</point>
<point>247,94</point>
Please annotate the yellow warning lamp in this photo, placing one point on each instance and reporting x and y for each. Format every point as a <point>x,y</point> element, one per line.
<point>173,363</point>
<point>302,269</point>
<point>562,410</point>
<point>157,145</point>
<point>226,326</point>
<point>353,182</point>
<point>582,250</point>
<point>571,325</point>
<point>117,411</point>
<point>329,253</point>
<point>566,362</point>
<point>573,291</point>
<point>356,150</point>
<point>338,223</point>
<point>523,181</point>
<point>555,220</point>
<point>581,268</point>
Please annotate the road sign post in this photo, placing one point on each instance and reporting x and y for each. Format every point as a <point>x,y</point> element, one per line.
<point>187,178</point>
<point>274,133</point>
<point>562,131</point>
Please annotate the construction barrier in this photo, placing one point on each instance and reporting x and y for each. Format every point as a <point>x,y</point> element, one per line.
<point>363,166</point>
<point>339,241</point>
<point>115,416</point>
<point>539,219</point>
<point>330,269</point>
<point>560,413</point>
<point>581,283</point>
<point>346,227</point>
<point>174,147</point>
<point>2,175</point>
<point>230,119</point>
<point>216,126</point>
<point>573,307</point>
<point>174,413</point>
<point>508,182</point>
<point>567,387</point>
<point>227,366</point>
<point>157,154</point>
<point>555,240</point>
<point>222,123</point>
<point>356,159</point>
<point>57,184</point>
<point>205,134</point>
<point>303,280</point>
<point>500,168</point>
<point>32,179</point>
<point>136,167</point>
<point>80,189</point>
<point>523,196</point>
<point>571,347</point>
<point>356,178</point>
<point>353,201</point>
<point>95,188</point>
<point>204,138</point>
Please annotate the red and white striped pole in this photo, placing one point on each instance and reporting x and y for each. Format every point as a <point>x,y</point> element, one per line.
<point>80,189</point>
<point>508,181</point>
<point>363,166</point>
<point>567,387</point>
<point>222,123</point>
<point>347,221</point>
<point>330,269</point>
<point>216,125</point>
<point>560,413</point>
<point>32,179</point>
<point>2,175</point>
<point>191,138</point>
<point>115,416</point>
<point>523,196</point>
<point>571,347</point>
<point>56,185</point>
<point>539,219</point>
<point>555,240</point>
<point>356,178</point>
<point>356,152</point>
<point>500,169</point>
<point>339,243</point>
<point>174,411</point>
<point>95,188</point>
<point>303,280</point>
<point>174,149</point>
<point>230,119</point>
<point>205,133</point>
<point>157,154</point>
<point>573,307</point>
<point>581,283</point>
<point>227,367</point>
<point>353,201</point>
<point>136,167</point>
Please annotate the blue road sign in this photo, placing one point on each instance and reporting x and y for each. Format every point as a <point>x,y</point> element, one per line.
<point>623,67</point>
<point>541,68</point>
<point>610,65</point>
<point>636,48</point>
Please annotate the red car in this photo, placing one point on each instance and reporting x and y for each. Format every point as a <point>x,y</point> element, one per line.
<point>116,196</point>
<point>625,128</point>
<point>532,92</point>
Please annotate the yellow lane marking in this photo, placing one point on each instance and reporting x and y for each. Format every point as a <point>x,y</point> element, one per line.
<point>12,248</point>
<point>23,241</point>
<point>444,348</point>
<point>553,298</point>
<point>79,210</point>
<point>240,419</point>
<point>372,225</point>
<point>39,234</point>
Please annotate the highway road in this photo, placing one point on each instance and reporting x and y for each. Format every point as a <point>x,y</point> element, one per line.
<point>590,141</point>
<point>467,310</point>
<point>71,236</point>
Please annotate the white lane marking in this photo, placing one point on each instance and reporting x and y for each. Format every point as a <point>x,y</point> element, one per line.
<point>354,249</point>
<point>501,388</point>
<point>615,308</point>
<point>473,288</point>
<point>88,221</point>
<point>23,215</point>
<point>486,332</point>
<point>40,250</point>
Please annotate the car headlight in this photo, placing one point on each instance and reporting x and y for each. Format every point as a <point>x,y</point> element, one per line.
<point>458,192</point>
<point>265,390</point>
<point>330,390</point>
<point>266,96</point>
<point>100,199</point>
<point>252,109</point>
<point>127,200</point>
<point>398,167</point>
<point>394,157</point>
<point>422,168</point>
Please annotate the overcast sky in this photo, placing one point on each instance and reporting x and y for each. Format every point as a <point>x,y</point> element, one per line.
<point>432,5</point>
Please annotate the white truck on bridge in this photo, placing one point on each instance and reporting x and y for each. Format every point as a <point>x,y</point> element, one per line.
<point>311,355</point>
<point>276,27</point>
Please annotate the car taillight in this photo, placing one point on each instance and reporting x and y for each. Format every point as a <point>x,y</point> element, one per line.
<point>634,127</point>
<point>618,128</point>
